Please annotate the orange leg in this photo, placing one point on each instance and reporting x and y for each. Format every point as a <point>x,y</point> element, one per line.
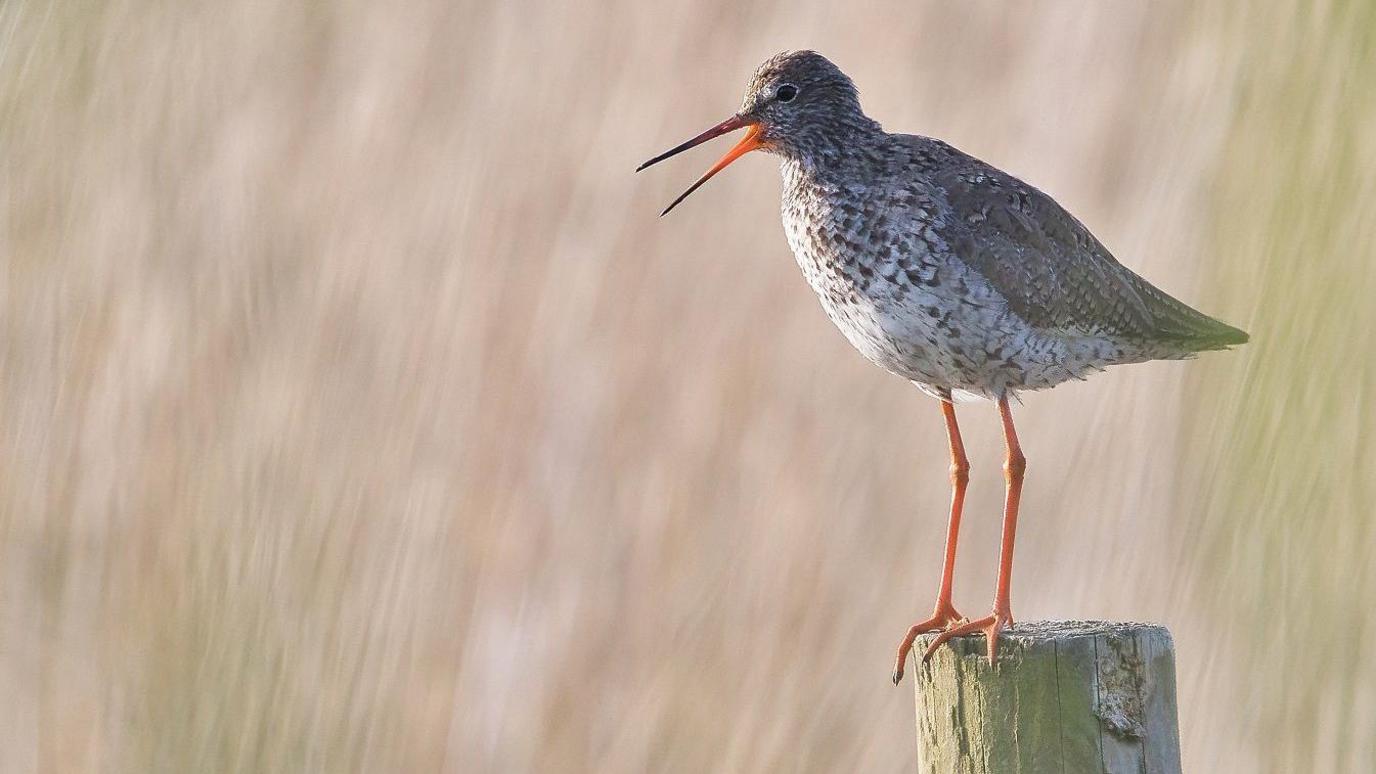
<point>1013,467</point>
<point>945,614</point>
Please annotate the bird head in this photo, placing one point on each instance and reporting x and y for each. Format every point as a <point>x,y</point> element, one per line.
<point>797,105</point>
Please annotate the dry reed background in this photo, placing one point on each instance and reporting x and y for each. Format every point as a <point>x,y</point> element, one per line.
<point>359,414</point>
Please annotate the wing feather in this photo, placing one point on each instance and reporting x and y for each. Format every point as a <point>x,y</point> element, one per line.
<point>1053,272</point>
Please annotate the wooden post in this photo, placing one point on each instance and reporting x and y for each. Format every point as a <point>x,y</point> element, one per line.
<point>1072,697</point>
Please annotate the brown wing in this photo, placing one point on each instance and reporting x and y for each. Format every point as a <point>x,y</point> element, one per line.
<point>1054,273</point>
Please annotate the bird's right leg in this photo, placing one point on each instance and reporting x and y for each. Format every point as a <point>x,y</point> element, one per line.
<point>1014,466</point>
<point>945,614</point>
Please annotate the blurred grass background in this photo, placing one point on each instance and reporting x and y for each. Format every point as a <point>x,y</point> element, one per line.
<point>358,414</point>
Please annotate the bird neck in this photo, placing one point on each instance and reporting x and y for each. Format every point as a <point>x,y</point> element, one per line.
<point>830,144</point>
<point>831,161</point>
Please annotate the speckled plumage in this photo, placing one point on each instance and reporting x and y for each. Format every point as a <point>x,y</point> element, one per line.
<point>949,273</point>
<point>943,269</point>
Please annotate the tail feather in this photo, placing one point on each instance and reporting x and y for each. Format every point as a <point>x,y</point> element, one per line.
<point>1201,333</point>
<point>1177,322</point>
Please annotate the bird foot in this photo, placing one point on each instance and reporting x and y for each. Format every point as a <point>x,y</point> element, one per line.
<point>991,625</point>
<point>944,617</point>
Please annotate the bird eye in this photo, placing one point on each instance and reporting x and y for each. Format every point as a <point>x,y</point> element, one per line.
<point>786,93</point>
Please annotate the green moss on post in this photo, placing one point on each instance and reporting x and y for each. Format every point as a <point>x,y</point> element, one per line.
<point>1069,697</point>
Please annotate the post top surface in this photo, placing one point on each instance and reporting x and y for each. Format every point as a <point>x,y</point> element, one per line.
<point>1029,632</point>
<point>1062,629</point>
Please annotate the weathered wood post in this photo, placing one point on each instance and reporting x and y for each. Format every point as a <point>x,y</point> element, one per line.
<point>1071,697</point>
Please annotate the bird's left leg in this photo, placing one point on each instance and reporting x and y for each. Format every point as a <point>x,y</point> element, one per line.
<point>1014,466</point>
<point>944,615</point>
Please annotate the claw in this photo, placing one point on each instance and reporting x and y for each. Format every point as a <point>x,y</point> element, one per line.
<point>944,617</point>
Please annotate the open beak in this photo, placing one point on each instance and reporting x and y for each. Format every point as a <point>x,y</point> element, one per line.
<point>749,142</point>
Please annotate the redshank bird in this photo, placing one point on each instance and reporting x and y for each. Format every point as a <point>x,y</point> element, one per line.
<point>949,273</point>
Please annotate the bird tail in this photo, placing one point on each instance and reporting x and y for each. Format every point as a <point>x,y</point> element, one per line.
<point>1191,329</point>
<point>1220,335</point>
<point>1198,332</point>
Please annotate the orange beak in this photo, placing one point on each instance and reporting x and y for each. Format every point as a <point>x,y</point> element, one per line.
<point>749,142</point>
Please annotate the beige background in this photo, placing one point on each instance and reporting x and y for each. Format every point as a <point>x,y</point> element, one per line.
<point>358,414</point>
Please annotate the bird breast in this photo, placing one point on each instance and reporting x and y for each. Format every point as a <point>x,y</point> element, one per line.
<point>889,283</point>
